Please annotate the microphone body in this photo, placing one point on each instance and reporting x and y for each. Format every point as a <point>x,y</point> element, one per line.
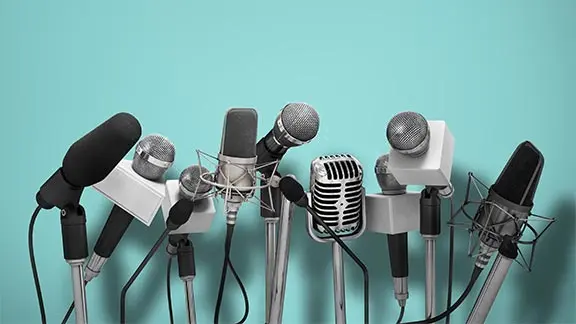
<point>507,253</point>
<point>89,160</point>
<point>510,200</point>
<point>236,171</point>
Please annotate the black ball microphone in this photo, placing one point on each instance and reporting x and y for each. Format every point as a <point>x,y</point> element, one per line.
<point>294,192</point>
<point>179,214</point>
<point>88,161</point>
<point>502,214</point>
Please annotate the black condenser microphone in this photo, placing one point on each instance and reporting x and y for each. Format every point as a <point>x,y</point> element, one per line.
<point>89,160</point>
<point>397,243</point>
<point>296,124</point>
<point>153,156</point>
<point>236,173</point>
<point>294,192</point>
<point>509,201</point>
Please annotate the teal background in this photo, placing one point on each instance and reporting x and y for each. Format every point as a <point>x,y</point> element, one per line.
<point>499,72</point>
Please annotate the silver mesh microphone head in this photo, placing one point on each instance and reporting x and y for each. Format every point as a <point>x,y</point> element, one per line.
<point>408,133</point>
<point>191,185</point>
<point>386,180</point>
<point>296,124</point>
<point>153,156</point>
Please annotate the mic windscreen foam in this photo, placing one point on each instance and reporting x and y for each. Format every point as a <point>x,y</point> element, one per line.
<point>292,190</point>
<point>179,213</point>
<point>519,179</point>
<point>91,158</point>
<point>239,133</point>
<point>153,156</point>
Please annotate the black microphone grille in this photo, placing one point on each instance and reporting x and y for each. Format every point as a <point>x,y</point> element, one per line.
<point>239,133</point>
<point>408,133</point>
<point>91,158</point>
<point>337,193</point>
<point>153,156</point>
<point>191,184</point>
<point>300,121</point>
<point>519,179</point>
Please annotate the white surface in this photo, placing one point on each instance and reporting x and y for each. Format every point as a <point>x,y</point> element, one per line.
<point>128,190</point>
<point>434,168</point>
<point>389,214</point>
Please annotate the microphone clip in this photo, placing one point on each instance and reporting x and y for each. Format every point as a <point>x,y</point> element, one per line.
<point>74,237</point>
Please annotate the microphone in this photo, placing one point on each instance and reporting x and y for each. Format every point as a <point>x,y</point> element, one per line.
<point>89,160</point>
<point>136,189</point>
<point>296,124</point>
<point>397,242</point>
<point>294,192</point>
<point>421,154</point>
<point>190,186</point>
<point>507,253</point>
<point>337,196</point>
<point>509,202</point>
<point>236,172</point>
<point>178,215</point>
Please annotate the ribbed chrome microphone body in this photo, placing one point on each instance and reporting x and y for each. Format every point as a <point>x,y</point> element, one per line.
<point>153,156</point>
<point>336,193</point>
<point>191,184</point>
<point>408,133</point>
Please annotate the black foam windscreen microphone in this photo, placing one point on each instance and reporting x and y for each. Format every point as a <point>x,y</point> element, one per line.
<point>89,160</point>
<point>509,201</point>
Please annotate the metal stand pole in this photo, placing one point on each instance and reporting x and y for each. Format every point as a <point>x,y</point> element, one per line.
<point>190,305</point>
<point>79,290</point>
<point>430,289</point>
<point>281,267</point>
<point>339,291</point>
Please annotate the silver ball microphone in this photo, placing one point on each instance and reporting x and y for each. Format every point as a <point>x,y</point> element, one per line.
<point>409,134</point>
<point>153,156</point>
<point>386,180</point>
<point>296,124</point>
<point>191,185</point>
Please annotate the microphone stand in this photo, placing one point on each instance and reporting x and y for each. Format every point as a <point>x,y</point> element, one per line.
<point>187,272</point>
<point>281,266</point>
<point>270,196</point>
<point>75,244</point>
<point>507,253</point>
<point>339,290</point>
<point>430,227</point>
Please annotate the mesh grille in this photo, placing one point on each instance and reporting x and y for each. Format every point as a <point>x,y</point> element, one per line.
<point>386,180</point>
<point>337,193</point>
<point>158,147</point>
<point>191,182</point>
<point>301,121</point>
<point>406,131</point>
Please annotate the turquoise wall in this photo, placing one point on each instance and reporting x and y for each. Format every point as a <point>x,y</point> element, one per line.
<point>498,72</point>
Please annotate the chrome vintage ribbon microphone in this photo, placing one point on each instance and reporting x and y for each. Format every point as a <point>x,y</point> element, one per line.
<point>338,197</point>
<point>296,124</point>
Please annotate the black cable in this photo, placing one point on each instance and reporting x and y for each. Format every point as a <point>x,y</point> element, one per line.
<point>228,263</point>
<point>68,314</point>
<point>401,315</point>
<point>168,291</point>
<point>351,255</point>
<point>33,263</point>
<point>473,278</point>
<point>137,273</point>
<point>244,293</point>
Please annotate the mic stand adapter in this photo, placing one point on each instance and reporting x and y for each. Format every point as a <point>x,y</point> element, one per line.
<point>430,227</point>
<point>187,272</point>
<point>507,253</point>
<point>281,266</point>
<point>270,196</point>
<point>75,244</point>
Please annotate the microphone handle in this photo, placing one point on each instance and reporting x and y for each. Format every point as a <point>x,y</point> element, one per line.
<point>507,253</point>
<point>116,225</point>
<point>398,251</point>
<point>137,273</point>
<point>351,254</point>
